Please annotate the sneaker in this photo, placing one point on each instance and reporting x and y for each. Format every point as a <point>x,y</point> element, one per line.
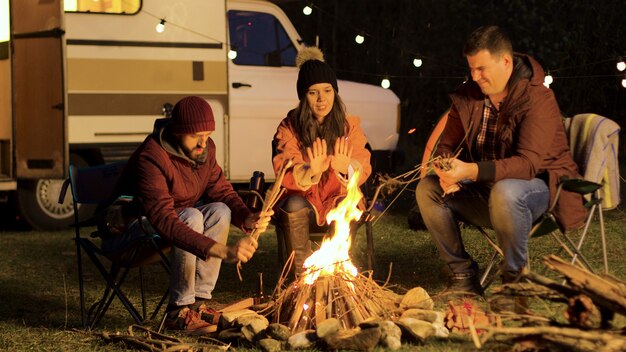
<point>209,315</point>
<point>466,284</point>
<point>189,321</point>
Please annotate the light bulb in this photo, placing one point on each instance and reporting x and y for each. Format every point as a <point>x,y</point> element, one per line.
<point>160,27</point>
<point>621,66</point>
<point>547,81</point>
<point>624,82</point>
<point>359,39</point>
<point>417,62</point>
<point>307,10</point>
<point>385,83</point>
<point>232,54</point>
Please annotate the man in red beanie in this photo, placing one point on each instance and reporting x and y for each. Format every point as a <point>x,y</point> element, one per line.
<point>168,175</point>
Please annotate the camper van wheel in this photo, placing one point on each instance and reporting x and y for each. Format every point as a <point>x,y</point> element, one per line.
<point>38,202</point>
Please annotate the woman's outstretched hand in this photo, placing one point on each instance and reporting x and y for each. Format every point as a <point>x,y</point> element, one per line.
<point>340,161</point>
<point>318,157</point>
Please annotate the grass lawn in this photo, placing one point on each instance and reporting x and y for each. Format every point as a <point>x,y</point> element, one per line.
<point>39,297</point>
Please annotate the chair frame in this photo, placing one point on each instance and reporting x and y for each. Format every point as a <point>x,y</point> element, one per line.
<point>115,276</point>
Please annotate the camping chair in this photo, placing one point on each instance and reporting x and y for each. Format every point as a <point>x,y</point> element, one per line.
<point>589,135</point>
<point>95,186</point>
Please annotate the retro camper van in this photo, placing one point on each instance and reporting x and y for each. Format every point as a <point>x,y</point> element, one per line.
<point>82,82</point>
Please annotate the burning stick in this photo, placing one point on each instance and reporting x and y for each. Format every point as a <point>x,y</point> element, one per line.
<point>271,197</point>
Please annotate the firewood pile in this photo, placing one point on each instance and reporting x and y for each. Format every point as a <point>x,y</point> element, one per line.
<point>592,303</point>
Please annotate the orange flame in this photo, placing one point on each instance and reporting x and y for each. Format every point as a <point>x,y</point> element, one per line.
<point>333,254</point>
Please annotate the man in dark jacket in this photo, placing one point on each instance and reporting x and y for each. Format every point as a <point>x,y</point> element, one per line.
<point>513,150</point>
<point>168,175</point>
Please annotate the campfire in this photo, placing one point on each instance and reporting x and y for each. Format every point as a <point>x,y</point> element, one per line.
<point>331,286</point>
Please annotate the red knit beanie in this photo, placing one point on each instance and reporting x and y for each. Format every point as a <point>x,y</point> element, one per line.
<point>191,115</point>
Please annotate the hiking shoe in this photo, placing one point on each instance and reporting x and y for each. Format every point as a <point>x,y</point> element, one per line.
<point>466,284</point>
<point>189,322</point>
<point>209,315</point>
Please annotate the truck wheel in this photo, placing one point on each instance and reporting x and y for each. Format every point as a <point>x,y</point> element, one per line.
<point>38,202</point>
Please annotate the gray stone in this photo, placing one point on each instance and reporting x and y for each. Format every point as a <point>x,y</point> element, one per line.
<point>253,331</point>
<point>230,334</point>
<point>353,339</point>
<point>419,329</point>
<point>327,327</point>
<point>304,339</point>
<point>417,297</point>
<point>371,322</point>
<point>441,330</point>
<point>391,335</point>
<point>278,331</point>
<point>230,317</point>
<point>422,314</point>
<point>247,319</point>
<point>392,343</point>
<point>270,345</point>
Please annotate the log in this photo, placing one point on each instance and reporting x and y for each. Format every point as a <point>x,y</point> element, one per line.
<point>321,300</point>
<point>607,294</point>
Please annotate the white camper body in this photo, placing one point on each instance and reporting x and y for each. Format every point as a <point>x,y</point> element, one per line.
<point>86,88</point>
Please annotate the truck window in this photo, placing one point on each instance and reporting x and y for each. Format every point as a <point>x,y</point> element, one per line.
<point>259,40</point>
<point>124,7</point>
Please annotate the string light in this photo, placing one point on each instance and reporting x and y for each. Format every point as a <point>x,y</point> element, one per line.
<point>161,26</point>
<point>547,81</point>
<point>385,83</point>
<point>307,10</point>
<point>417,61</point>
<point>621,65</point>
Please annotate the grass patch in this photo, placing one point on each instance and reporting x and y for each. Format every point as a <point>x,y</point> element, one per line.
<point>40,298</point>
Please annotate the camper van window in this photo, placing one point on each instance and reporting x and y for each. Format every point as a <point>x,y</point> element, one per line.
<point>260,40</point>
<point>123,7</point>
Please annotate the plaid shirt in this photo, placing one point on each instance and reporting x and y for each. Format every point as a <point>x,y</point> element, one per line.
<point>486,140</point>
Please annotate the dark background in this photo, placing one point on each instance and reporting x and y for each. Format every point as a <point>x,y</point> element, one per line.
<point>578,42</point>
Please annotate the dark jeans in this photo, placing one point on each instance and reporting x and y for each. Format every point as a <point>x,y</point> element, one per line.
<point>509,207</point>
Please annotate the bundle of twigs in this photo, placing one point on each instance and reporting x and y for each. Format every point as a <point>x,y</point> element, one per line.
<point>349,299</point>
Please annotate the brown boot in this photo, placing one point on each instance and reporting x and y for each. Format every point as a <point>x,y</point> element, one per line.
<point>293,231</point>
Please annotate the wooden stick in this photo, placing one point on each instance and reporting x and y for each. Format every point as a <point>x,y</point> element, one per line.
<point>320,300</point>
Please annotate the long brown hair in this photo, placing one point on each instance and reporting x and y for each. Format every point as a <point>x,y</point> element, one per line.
<point>307,129</point>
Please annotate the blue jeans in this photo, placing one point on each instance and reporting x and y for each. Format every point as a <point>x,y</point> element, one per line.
<point>509,207</point>
<point>191,276</point>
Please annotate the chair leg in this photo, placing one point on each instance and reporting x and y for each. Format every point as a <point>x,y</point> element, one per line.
<point>143,296</point>
<point>492,262</point>
<point>603,238</point>
<point>81,287</point>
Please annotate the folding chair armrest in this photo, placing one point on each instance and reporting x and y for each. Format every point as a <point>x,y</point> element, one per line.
<point>63,191</point>
<point>579,185</point>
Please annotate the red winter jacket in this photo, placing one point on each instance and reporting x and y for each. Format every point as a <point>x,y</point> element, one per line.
<point>531,136</point>
<point>163,180</point>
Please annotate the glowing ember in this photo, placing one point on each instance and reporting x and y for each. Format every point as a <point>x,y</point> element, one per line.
<point>333,256</point>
